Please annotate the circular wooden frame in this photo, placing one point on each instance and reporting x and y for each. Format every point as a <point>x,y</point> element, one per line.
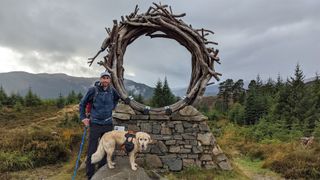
<point>159,22</point>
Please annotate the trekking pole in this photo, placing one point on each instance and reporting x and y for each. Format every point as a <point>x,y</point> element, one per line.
<point>79,154</point>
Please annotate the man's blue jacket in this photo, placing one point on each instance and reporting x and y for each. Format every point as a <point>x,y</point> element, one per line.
<point>103,102</point>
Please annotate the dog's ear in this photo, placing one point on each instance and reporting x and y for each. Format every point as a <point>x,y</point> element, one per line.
<point>138,135</point>
<point>149,137</point>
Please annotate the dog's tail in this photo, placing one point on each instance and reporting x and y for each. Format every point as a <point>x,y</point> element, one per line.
<point>98,155</point>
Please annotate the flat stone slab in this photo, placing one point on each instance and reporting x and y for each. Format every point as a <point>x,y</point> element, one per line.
<point>122,171</point>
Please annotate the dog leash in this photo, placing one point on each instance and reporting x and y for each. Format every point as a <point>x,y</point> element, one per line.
<point>79,154</point>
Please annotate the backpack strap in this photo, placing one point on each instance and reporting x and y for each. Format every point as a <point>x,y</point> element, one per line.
<point>96,92</point>
<point>112,91</point>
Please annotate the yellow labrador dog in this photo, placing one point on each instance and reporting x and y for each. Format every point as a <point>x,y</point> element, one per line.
<point>109,141</point>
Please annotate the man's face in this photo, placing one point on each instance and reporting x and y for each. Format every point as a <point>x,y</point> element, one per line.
<point>105,81</point>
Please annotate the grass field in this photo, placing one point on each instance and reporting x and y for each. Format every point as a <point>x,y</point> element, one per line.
<point>42,143</point>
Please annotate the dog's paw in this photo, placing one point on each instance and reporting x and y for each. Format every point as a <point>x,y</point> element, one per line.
<point>111,166</point>
<point>134,168</point>
<point>113,163</point>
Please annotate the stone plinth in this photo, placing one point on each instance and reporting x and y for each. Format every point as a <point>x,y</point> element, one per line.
<point>180,140</point>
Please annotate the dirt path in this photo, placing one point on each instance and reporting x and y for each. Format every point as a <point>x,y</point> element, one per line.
<point>59,115</point>
<point>51,118</point>
<point>253,170</point>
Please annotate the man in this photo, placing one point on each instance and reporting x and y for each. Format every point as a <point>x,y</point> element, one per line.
<point>103,98</point>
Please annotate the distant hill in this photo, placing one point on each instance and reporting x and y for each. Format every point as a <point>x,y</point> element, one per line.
<point>211,90</point>
<point>310,81</point>
<point>50,85</point>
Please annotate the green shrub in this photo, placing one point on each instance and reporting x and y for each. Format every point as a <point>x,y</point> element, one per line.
<point>214,114</point>
<point>276,146</point>
<point>32,148</point>
<point>13,161</point>
<point>237,114</point>
<point>266,130</point>
<point>253,150</point>
<point>316,132</point>
<point>68,122</point>
<point>17,107</point>
<point>203,109</point>
<point>47,148</point>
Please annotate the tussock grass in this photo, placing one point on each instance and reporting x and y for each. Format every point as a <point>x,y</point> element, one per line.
<point>35,137</point>
<point>290,159</point>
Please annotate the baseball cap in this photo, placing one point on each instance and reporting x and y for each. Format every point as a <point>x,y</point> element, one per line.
<point>106,73</point>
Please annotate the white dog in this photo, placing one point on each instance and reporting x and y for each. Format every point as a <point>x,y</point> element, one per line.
<point>108,143</point>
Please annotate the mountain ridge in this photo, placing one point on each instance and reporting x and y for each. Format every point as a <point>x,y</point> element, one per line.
<point>48,85</point>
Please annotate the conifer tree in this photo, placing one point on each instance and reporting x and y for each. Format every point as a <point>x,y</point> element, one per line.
<point>316,91</point>
<point>279,84</point>
<point>168,97</point>
<point>316,131</point>
<point>32,99</point>
<point>3,97</point>
<point>282,108</point>
<point>72,98</point>
<point>139,98</point>
<point>156,100</point>
<point>297,100</point>
<point>250,112</point>
<point>61,101</point>
<point>79,96</point>
<point>162,94</point>
<point>238,92</point>
<point>225,94</point>
<point>269,88</point>
<point>256,103</point>
<point>236,114</point>
<point>259,82</point>
<point>17,106</point>
<point>294,104</point>
<point>250,108</point>
<point>311,104</point>
<point>14,99</point>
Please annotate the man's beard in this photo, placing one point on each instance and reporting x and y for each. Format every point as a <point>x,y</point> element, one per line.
<point>104,84</point>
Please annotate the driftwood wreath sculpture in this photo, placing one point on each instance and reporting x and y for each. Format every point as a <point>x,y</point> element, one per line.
<point>159,22</point>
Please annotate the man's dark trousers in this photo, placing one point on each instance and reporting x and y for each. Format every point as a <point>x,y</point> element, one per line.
<point>96,131</point>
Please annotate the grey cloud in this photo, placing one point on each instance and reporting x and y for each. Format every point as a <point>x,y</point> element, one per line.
<point>255,37</point>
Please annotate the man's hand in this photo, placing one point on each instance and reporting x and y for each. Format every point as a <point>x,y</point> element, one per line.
<point>86,121</point>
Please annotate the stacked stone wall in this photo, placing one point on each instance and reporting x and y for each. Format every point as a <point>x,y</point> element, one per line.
<point>180,140</point>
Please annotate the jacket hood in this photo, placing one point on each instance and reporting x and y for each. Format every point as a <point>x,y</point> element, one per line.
<point>97,83</point>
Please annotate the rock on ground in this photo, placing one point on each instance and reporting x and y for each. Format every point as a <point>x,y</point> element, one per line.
<point>122,171</point>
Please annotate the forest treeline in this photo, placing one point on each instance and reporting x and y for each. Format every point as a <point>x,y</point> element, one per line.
<point>275,109</point>
<point>16,101</point>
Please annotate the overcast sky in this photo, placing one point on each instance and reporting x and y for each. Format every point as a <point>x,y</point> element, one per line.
<point>254,36</point>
